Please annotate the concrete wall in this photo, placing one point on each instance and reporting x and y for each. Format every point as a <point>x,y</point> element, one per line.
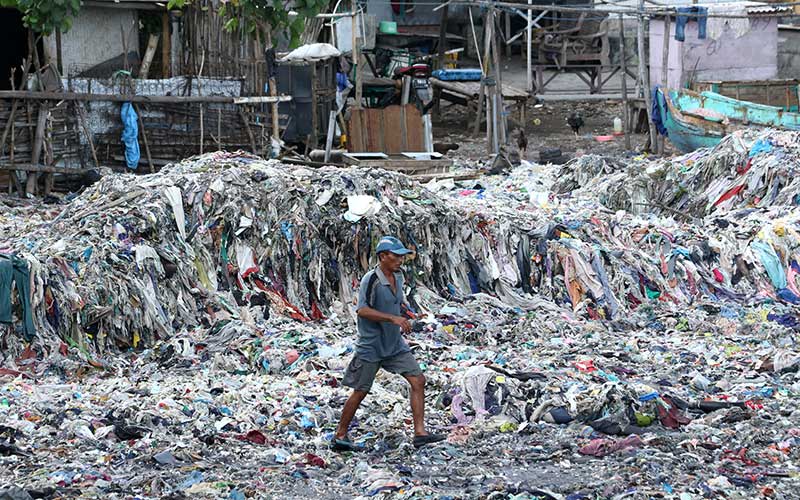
<point>753,56</point>
<point>95,37</point>
<point>789,52</point>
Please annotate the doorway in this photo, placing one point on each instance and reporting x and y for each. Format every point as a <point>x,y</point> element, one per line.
<point>15,48</point>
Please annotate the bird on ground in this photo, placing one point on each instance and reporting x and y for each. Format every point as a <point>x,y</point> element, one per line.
<point>575,121</point>
<point>522,142</point>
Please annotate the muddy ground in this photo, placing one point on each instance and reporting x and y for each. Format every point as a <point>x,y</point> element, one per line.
<point>545,127</point>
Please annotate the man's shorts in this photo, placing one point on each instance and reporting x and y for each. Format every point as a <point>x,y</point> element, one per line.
<point>360,374</point>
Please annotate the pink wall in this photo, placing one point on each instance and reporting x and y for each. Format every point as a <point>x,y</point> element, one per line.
<point>753,56</point>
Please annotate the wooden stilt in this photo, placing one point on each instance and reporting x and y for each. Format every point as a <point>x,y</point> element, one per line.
<point>623,63</point>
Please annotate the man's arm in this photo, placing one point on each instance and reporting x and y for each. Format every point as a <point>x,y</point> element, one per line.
<point>381,317</point>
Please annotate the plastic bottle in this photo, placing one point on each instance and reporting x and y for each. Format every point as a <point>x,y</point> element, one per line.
<point>617,125</point>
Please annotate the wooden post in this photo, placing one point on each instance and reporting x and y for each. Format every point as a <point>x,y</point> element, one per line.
<point>665,68</point>
<point>488,23</point>
<point>356,59</point>
<point>36,153</point>
<point>626,110</point>
<point>124,48</point>
<point>202,130</point>
<point>499,112</point>
<point>218,139</point>
<point>41,124</point>
<point>329,138</point>
<point>645,85</point>
<point>529,42</point>
<point>166,43</point>
<point>359,74</point>
<point>273,91</point>
<point>144,138</point>
<point>489,118</point>
<point>495,121</point>
<point>442,48</point>
<point>247,128</point>
<point>440,62</point>
<point>507,17</point>
<point>59,60</point>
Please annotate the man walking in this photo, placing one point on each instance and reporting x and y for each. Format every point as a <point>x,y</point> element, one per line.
<point>381,344</point>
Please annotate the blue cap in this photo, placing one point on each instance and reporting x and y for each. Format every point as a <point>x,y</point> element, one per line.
<point>392,244</point>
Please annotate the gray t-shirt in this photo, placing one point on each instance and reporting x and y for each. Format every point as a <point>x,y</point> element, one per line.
<point>380,340</point>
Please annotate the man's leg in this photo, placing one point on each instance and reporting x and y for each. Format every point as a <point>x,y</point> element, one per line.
<point>348,412</point>
<point>417,402</point>
<point>359,375</point>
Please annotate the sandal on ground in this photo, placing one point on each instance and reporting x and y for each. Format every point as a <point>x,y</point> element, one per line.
<point>420,441</point>
<point>345,445</point>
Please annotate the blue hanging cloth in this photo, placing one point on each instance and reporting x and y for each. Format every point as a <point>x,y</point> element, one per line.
<point>130,135</point>
<point>658,104</point>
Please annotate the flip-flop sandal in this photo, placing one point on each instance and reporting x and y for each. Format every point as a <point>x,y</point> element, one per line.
<point>345,445</point>
<point>420,441</point>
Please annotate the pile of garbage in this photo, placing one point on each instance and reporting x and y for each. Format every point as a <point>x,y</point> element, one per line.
<point>136,259</point>
<point>747,169</point>
<point>189,331</point>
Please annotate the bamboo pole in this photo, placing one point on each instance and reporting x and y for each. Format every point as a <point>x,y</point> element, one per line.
<point>149,53</point>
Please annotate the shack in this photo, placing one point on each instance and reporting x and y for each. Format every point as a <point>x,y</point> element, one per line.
<point>192,85</point>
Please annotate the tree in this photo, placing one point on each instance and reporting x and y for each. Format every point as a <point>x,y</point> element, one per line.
<point>272,15</point>
<point>45,16</point>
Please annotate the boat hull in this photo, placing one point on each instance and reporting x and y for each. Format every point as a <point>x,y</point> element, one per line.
<point>700,120</point>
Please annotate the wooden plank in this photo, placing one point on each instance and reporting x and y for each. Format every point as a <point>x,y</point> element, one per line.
<point>392,120</point>
<point>356,142</point>
<point>455,177</point>
<point>374,130</point>
<point>27,167</point>
<point>414,133</point>
<point>75,96</point>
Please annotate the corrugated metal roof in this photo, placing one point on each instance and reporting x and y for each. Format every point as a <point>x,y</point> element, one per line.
<point>753,7</point>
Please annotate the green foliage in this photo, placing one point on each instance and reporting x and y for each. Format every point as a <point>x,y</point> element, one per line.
<point>45,16</point>
<point>252,15</point>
